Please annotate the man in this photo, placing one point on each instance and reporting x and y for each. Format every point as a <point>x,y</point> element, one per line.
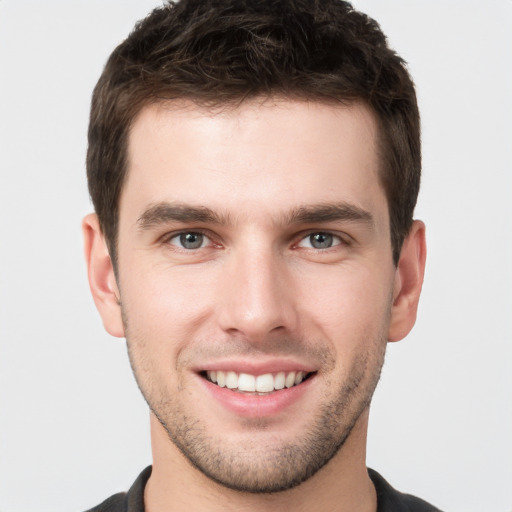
<point>254,167</point>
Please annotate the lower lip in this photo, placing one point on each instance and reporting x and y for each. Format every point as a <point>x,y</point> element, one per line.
<point>257,406</point>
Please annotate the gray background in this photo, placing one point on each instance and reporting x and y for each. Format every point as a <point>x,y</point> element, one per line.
<point>73,428</point>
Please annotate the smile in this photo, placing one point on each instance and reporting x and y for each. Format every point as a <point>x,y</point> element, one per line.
<point>247,383</point>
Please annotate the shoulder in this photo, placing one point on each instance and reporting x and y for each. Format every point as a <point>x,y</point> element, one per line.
<point>131,501</point>
<point>116,503</point>
<point>391,500</point>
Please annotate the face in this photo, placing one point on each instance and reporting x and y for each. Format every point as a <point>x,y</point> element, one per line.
<point>256,282</point>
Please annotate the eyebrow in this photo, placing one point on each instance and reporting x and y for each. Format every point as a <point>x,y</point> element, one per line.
<point>330,212</point>
<point>164,212</point>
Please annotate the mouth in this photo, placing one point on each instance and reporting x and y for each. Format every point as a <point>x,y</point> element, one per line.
<point>256,384</point>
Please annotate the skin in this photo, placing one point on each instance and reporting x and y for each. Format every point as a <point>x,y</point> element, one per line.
<point>257,293</point>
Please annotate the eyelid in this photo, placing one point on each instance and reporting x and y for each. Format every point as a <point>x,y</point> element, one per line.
<point>166,239</point>
<point>343,238</point>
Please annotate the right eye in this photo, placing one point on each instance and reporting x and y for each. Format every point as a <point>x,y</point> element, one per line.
<point>190,240</point>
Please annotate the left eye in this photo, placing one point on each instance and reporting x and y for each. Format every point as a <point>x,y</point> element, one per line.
<point>320,240</point>
<point>191,240</point>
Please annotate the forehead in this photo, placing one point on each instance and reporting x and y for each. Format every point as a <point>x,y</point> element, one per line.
<point>261,155</point>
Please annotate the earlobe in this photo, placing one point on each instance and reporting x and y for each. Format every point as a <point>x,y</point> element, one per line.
<point>102,280</point>
<point>408,282</point>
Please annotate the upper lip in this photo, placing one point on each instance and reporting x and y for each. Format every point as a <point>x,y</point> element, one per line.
<point>256,367</point>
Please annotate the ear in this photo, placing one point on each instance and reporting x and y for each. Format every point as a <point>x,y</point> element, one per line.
<point>408,281</point>
<point>102,279</point>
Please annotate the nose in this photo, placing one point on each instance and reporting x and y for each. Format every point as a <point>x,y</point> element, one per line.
<point>256,296</point>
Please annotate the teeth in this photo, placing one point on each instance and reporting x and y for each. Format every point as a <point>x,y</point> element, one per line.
<point>290,380</point>
<point>250,383</point>
<point>279,380</point>
<point>265,383</point>
<point>231,380</point>
<point>246,382</point>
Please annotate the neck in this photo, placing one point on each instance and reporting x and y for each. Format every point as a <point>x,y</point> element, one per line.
<point>342,485</point>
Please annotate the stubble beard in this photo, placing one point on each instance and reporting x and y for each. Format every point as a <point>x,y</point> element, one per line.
<point>257,468</point>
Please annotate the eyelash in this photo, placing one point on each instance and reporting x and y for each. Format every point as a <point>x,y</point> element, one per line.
<point>170,236</point>
<point>341,240</point>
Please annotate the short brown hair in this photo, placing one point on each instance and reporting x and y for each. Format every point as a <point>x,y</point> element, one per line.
<point>221,52</point>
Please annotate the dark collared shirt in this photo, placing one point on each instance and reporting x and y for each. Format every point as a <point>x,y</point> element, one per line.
<point>388,499</point>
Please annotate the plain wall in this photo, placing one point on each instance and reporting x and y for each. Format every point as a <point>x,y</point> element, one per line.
<point>73,427</point>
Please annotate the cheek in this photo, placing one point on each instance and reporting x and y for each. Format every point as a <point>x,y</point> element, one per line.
<point>167,305</point>
<point>347,304</point>
<point>159,321</point>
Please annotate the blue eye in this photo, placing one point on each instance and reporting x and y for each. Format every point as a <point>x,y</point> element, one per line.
<point>320,240</point>
<point>190,241</point>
